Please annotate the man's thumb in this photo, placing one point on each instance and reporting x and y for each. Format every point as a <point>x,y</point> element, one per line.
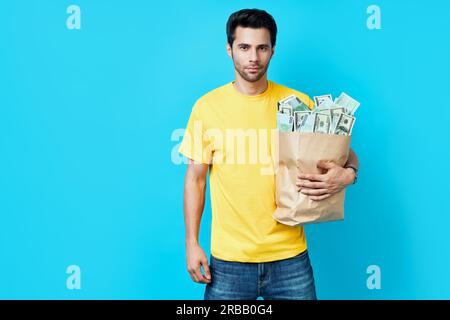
<point>206,268</point>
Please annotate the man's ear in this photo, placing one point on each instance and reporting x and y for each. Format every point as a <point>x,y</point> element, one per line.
<point>230,54</point>
<point>273,51</point>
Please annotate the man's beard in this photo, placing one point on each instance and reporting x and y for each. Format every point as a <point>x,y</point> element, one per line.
<point>252,77</point>
<point>247,76</point>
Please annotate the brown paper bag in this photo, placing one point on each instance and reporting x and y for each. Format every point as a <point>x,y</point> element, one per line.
<point>299,152</point>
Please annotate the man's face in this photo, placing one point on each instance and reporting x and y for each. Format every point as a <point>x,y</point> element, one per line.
<point>251,52</point>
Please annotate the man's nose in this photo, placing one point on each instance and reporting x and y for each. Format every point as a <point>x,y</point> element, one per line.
<point>254,56</point>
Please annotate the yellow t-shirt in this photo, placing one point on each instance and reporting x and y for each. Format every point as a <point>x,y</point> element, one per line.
<point>233,133</point>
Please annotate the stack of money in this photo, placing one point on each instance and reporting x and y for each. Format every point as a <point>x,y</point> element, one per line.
<point>327,116</point>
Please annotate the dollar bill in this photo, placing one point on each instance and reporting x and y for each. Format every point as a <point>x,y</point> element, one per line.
<point>344,124</point>
<point>330,108</point>
<point>294,102</point>
<point>318,100</point>
<point>308,126</point>
<point>286,109</point>
<point>326,104</point>
<point>322,122</point>
<point>285,122</point>
<point>335,113</point>
<point>300,118</point>
<point>328,116</point>
<point>347,102</point>
<point>302,107</point>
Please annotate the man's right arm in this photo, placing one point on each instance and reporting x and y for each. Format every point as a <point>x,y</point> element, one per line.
<point>194,202</point>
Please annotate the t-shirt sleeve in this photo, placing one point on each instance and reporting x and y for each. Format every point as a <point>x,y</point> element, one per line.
<point>196,145</point>
<point>310,103</point>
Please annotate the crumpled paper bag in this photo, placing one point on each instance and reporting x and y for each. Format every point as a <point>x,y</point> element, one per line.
<point>299,152</point>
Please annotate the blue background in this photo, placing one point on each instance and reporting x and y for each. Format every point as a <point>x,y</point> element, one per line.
<point>86,118</point>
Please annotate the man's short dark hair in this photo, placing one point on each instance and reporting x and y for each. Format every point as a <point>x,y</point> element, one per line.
<point>251,18</point>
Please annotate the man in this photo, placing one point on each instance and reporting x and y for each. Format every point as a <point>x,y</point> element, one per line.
<point>252,255</point>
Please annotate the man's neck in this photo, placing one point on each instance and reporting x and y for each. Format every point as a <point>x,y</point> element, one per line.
<point>250,88</point>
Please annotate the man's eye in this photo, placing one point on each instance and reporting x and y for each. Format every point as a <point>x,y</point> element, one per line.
<point>264,49</point>
<point>244,47</point>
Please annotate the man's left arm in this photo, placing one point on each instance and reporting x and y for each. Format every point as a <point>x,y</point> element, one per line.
<point>336,178</point>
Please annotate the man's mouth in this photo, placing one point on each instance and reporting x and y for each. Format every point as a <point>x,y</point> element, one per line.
<point>252,69</point>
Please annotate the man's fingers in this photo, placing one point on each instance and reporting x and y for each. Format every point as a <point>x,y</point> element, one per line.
<point>194,273</point>
<point>206,269</point>
<point>199,276</point>
<point>311,184</point>
<point>318,198</point>
<point>312,177</point>
<point>314,192</point>
<point>193,276</point>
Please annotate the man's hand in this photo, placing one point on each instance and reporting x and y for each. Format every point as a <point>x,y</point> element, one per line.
<point>196,257</point>
<point>322,186</point>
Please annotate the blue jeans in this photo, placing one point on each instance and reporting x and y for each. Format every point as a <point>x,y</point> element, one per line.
<point>287,279</point>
